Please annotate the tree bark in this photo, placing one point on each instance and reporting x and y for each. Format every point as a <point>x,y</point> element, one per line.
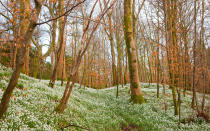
<point>24,18</point>
<point>194,57</point>
<point>158,53</point>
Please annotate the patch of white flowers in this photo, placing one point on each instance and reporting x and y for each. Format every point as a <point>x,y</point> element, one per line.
<point>32,108</point>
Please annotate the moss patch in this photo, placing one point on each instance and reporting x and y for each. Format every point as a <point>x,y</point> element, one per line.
<point>137,99</point>
<point>134,85</point>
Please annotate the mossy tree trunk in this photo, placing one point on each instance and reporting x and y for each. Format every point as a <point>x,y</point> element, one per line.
<point>126,68</point>
<point>136,93</point>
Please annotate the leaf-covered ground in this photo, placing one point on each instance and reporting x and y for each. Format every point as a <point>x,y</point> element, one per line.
<point>33,102</point>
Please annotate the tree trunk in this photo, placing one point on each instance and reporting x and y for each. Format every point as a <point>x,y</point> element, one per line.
<point>113,61</point>
<point>63,70</point>
<point>119,59</point>
<point>170,16</point>
<point>61,107</point>
<point>53,53</point>
<point>24,18</point>
<point>111,39</point>
<point>60,51</point>
<point>136,93</point>
<point>27,61</point>
<point>194,58</point>
<point>158,52</point>
<point>204,60</point>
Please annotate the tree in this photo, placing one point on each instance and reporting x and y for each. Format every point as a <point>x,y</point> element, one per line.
<point>21,57</point>
<point>60,53</point>
<point>170,10</point>
<point>136,93</point>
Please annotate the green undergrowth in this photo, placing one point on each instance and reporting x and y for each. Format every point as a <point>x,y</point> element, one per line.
<point>32,108</point>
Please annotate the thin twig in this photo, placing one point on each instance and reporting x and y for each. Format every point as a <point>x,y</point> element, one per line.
<point>5,7</point>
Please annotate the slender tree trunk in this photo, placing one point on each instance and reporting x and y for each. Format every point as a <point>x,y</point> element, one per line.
<point>110,35</point>
<point>119,58</point>
<point>63,70</point>
<point>186,63</point>
<point>149,64</point>
<point>63,76</point>
<point>113,61</point>
<point>53,53</point>
<point>117,92</point>
<point>194,56</point>
<point>175,51</point>
<point>126,68</point>
<point>158,52</point>
<point>61,66</point>
<point>163,83</point>
<point>203,54</point>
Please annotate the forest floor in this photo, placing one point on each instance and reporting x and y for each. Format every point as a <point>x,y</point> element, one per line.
<point>32,104</point>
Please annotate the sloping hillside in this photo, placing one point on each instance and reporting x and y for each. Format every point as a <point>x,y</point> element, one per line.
<point>32,105</point>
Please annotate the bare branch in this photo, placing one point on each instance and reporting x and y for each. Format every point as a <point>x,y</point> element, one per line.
<point>64,14</point>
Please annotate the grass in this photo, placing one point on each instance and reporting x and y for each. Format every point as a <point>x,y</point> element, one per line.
<point>32,108</point>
